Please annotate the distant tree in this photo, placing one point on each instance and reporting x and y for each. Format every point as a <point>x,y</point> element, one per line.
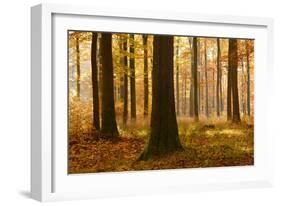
<point>125,79</point>
<point>164,136</point>
<point>191,91</point>
<point>145,74</point>
<point>206,80</point>
<point>95,87</point>
<point>248,78</point>
<point>195,79</point>
<point>218,78</point>
<point>177,80</point>
<point>132,77</point>
<point>229,82</point>
<point>109,126</point>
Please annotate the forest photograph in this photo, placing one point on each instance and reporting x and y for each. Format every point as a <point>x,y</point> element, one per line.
<point>152,101</point>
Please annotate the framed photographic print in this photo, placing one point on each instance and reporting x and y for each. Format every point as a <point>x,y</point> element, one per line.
<point>138,102</point>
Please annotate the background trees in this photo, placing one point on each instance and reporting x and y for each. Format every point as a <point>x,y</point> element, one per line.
<point>146,77</point>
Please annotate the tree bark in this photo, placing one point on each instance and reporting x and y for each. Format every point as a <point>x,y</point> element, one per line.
<point>109,126</point>
<point>95,87</point>
<point>248,80</point>
<point>177,80</point>
<point>233,66</point>
<point>195,79</point>
<point>191,91</point>
<point>164,130</point>
<point>218,77</point>
<point>145,77</point>
<point>132,78</point>
<point>125,79</point>
<point>206,79</point>
<point>229,82</point>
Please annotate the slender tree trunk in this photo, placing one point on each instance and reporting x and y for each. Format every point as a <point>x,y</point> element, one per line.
<point>229,83</point>
<point>218,77</point>
<point>99,61</point>
<point>184,96</point>
<point>78,68</point>
<point>95,87</point>
<point>132,78</point>
<point>121,62</point>
<point>164,130</point>
<point>233,66</point>
<point>145,79</point>
<point>248,80</point>
<point>125,79</point>
<point>191,91</point>
<point>206,79</point>
<point>177,80</point>
<point>109,126</point>
<point>195,78</point>
<point>221,93</point>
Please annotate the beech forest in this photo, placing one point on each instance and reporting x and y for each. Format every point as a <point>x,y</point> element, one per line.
<point>150,102</point>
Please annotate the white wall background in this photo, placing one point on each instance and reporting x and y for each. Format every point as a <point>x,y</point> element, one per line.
<point>15,102</point>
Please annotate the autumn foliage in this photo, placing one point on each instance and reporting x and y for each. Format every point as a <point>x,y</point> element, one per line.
<point>145,102</point>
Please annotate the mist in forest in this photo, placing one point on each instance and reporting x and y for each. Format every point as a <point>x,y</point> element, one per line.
<point>143,102</point>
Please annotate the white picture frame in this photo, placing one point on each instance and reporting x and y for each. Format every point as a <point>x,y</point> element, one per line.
<point>49,178</point>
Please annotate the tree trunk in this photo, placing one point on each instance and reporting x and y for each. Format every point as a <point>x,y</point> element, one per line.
<point>191,91</point>
<point>195,79</point>
<point>164,130</point>
<point>95,87</point>
<point>229,82</point>
<point>109,126</point>
<point>206,79</point>
<point>145,77</point>
<point>78,68</point>
<point>125,86</point>
<point>233,66</point>
<point>121,62</point>
<point>132,78</point>
<point>248,80</point>
<point>221,93</point>
<point>177,80</point>
<point>218,77</point>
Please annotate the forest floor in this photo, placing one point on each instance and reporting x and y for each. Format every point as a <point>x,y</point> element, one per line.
<point>205,145</point>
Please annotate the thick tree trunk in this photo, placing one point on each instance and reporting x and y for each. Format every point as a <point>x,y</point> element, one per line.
<point>145,77</point>
<point>109,126</point>
<point>195,79</point>
<point>78,68</point>
<point>248,80</point>
<point>164,130</point>
<point>132,78</point>
<point>95,87</point>
<point>125,86</point>
<point>218,77</point>
<point>233,66</point>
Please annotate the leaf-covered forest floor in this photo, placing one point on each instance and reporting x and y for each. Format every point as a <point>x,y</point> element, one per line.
<point>205,145</point>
